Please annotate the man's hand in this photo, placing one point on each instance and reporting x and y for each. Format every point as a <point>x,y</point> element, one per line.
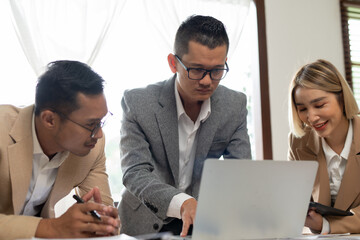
<point>187,212</point>
<point>108,211</point>
<point>93,193</point>
<point>314,221</point>
<point>77,222</point>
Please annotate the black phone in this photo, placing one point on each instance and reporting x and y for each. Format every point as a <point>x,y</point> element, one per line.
<point>328,211</point>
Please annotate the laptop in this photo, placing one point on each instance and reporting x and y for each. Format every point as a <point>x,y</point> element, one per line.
<point>247,199</point>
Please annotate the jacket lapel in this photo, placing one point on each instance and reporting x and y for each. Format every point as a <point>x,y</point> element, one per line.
<point>321,190</point>
<point>166,118</point>
<point>350,187</point>
<point>21,157</point>
<point>206,133</point>
<point>208,128</point>
<point>313,151</point>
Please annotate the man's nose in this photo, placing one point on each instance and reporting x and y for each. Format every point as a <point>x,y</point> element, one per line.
<point>99,133</point>
<point>206,79</point>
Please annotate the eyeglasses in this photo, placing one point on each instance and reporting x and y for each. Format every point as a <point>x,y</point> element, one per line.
<point>93,131</point>
<point>216,74</point>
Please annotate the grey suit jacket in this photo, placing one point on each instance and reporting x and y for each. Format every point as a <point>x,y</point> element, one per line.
<point>16,156</point>
<point>149,145</point>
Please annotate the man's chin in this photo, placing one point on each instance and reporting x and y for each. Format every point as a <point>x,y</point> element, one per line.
<point>82,153</point>
<point>201,99</point>
<point>203,96</point>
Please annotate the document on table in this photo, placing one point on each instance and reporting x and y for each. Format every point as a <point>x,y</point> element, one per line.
<point>326,236</point>
<point>118,237</point>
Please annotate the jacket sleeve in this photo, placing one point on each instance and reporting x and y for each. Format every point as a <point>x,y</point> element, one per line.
<point>138,163</point>
<point>239,144</point>
<point>98,177</point>
<point>16,227</point>
<point>348,224</point>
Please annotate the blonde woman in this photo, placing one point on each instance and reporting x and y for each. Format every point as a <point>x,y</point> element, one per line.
<point>325,127</point>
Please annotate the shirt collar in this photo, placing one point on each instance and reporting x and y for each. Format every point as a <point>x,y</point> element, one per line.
<point>205,107</point>
<point>329,153</point>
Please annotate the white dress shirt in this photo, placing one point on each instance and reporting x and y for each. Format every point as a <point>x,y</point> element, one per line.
<point>44,172</point>
<point>336,167</point>
<point>187,148</point>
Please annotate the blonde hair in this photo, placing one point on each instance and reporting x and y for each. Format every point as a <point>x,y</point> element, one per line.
<point>321,75</point>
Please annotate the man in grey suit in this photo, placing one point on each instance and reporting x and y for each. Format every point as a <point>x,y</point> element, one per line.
<point>171,127</point>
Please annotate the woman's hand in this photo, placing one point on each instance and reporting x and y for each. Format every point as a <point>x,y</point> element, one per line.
<point>314,221</point>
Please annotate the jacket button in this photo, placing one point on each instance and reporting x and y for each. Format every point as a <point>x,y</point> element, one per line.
<point>156,226</point>
<point>155,210</point>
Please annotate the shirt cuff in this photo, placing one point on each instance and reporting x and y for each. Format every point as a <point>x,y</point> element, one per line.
<point>325,227</point>
<point>175,205</point>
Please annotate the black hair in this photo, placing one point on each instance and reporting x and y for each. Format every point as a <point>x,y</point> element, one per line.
<point>205,30</point>
<point>59,86</point>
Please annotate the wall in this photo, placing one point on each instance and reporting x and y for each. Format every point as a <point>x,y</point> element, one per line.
<point>298,32</point>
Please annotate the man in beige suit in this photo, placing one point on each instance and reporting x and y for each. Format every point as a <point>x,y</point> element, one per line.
<point>48,149</point>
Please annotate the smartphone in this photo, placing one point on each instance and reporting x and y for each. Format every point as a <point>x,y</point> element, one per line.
<point>328,211</point>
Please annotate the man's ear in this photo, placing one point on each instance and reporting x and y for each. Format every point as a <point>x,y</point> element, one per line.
<point>49,119</point>
<point>172,62</point>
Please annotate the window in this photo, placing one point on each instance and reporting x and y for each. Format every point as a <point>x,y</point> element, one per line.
<point>263,80</point>
<point>350,20</point>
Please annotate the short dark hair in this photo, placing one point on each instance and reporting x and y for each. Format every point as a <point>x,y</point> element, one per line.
<point>59,86</point>
<point>205,30</point>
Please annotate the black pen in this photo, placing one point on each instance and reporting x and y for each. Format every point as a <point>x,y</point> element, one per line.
<point>92,212</point>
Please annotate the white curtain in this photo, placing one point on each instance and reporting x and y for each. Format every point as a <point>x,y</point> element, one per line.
<point>166,16</point>
<point>50,30</point>
<point>134,54</point>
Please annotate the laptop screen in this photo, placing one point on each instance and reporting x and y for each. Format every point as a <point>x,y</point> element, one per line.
<point>247,199</point>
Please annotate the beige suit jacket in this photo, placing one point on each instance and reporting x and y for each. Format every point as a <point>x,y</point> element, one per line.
<point>309,148</point>
<point>16,156</point>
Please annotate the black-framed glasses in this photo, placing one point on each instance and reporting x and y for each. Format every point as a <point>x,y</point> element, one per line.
<point>216,74</point>
<point>93,131</point>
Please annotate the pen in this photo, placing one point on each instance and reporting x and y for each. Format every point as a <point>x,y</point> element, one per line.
<point>92,212</point>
